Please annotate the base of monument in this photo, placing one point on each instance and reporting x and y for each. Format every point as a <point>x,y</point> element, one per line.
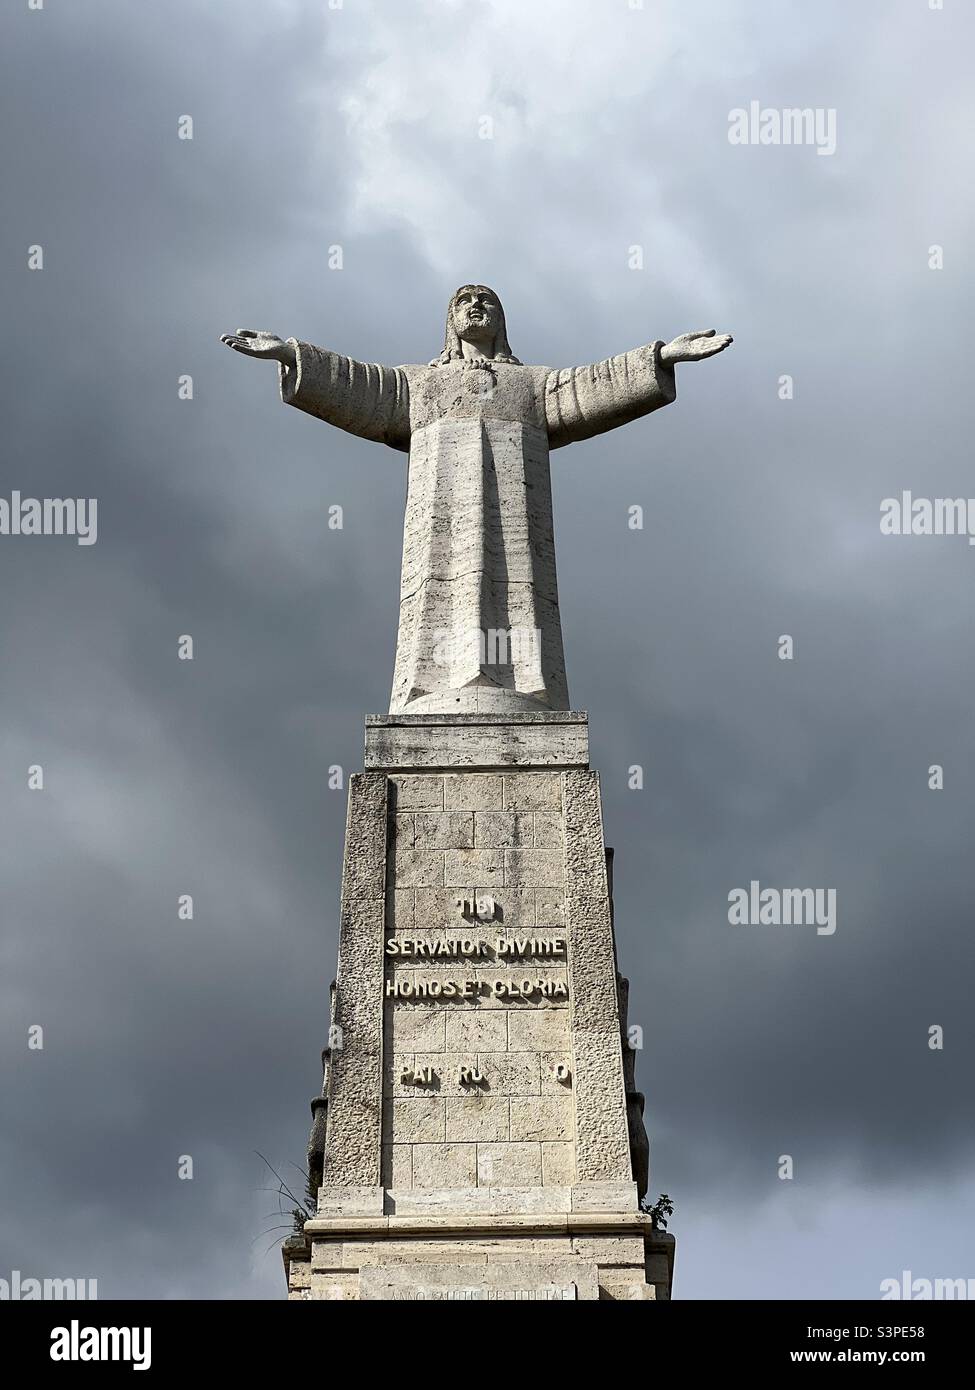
<point>482,1110</point>
<point>483,698</point>
<point>490,1254</point>
<point>550,739</point>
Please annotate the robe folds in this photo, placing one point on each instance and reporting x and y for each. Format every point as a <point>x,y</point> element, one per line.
<point>479,627</point>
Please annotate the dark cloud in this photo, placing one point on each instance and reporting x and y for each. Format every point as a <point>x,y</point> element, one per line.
<point>358,127</point>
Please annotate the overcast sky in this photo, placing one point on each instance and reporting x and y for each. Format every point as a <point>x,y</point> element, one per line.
<point>361,127</point>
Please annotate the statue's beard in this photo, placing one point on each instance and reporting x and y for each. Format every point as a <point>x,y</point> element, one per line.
<point>474,338</point>
<point>479,331</point>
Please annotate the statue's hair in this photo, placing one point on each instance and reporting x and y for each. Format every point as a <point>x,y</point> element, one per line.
<point>452,350</point>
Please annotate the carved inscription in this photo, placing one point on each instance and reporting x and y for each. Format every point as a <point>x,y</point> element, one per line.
<point>518,947</point>
<point>471,989</point>
<point>468,1076</point>
<point>479,909</point>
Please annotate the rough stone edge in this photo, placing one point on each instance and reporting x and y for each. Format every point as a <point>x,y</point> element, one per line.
<point>599,1088</point>
<point>502,1276</point>
<point>455,746</point>
<point>353,1143</point>
<point>467,720</point>
<point>562,1223</point>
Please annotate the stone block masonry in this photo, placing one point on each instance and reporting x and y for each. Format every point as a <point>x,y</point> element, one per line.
<point>477,1110</point>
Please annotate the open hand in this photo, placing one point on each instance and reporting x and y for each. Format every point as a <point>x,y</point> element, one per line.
<point>257,344</point>
<point>694,347</point>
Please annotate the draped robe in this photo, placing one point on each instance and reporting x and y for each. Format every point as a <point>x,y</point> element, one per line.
<point>478,542</point>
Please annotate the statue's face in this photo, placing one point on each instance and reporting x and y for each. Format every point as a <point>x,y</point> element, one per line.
<point>477,314</point>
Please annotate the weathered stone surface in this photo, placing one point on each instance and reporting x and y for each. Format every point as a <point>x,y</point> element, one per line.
<point>466,868</point>
<point>548,830</point>
<point>472,792</point>
<point>364,872</point>
<point>353,1135</point>
<point>549,908</point>
<point>504,829</point>
<point>326,1255</point>
<point>478,1118</point>
<point>419,868</point>
<point>417,793</point>
<point>445,1165</point>
<point>398,1165</point>
<point>403,832</point>
<point>660,1249</point>
<point>538,1030</point>
<point>368,1255</point>
<point>414,1120</point>
<point>610,1250</point>
<point>404,909</point>
<point>542,1281</point>
<point>517,907</point>
<point>509,1165</point>
<point>436,909</point>
<point>628,1292</point>
<point>350,1201</point>
<point>471,1030</point>
<point>395,1065</point>
<point>477,741</point>
<point>444,830</point>
<point>532,791</point>
<point>537,1226</point>
<point>602,1137</point>
<point>552,1069</point>
<point>592,964</point>
<point>510,1073</point>
<point>533,868</point>
<point>604,1196</point>
<point>542,1117</point>
<point>602,1144</point>
<point>558,1165</point>
<point>440,1200</point>
<point>417,1030</point>
<point>550,1200</point>
<point>334,1288</point>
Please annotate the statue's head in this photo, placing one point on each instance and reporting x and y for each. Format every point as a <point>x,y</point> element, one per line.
<point>475,316</point>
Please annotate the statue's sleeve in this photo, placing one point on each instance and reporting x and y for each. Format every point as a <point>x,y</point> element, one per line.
<point>583,401</point>
<point>361,397</point>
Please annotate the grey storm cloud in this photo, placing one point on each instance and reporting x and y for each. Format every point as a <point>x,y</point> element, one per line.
<point>362,127</point>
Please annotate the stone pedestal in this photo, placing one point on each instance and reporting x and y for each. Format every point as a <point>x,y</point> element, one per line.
<point>482,1140</point>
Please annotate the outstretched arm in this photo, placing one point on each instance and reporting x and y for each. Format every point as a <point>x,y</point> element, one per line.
<point>365,399</point>
<point>583,401</point>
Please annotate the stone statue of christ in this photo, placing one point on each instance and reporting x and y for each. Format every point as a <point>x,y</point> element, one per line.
<point>479,627</point>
